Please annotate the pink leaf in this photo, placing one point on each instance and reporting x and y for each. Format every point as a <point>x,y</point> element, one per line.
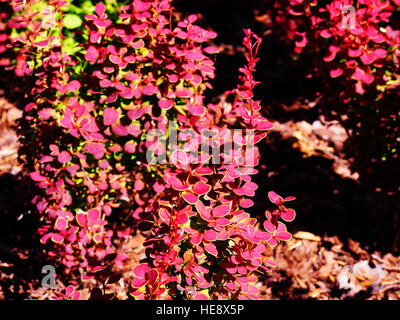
<point>283,236</point>
<point>196,238</point>
<point>246,203</point>
<point>96,149</point>
<point>367,58</point>
<point>93,216</point>
<point>334,73</point>
<point>92,55</point>
<point>179,156</point>
<point>57,238</point>
<point>211,50</point>
<point>380,53</point>
<point>45,238</point>
<point>182,218</point>
<point>290,198</point>
<point>274,198</point>
<point>138,283</point>
<point>212,249</point>
<point>221,211</point>
<point>153,275</point>
<point>281,232</point>
<point>223,221</point>
<point>210,235</point>
<point>268,226</point>
<point>141,270</point>
<point>81,219</point>
<point>201,188</point>
<point>192,18</point>
<point>196,109</point>
<point>120,130</point>
<point>184,93</point>
<point>245,94</point>
<point>325,34</point>
<point>355,52</point>
<point>204,171</point>
<point>177,184</point>
<point>100,9</point>
<point>46,114</point>
<point>203,211</point>
<point>262,236</point>
<point>359,88</point>
<point>149,90</point>
<point>130,147</point>
<point>272,242</point>
<point>165,104</point>
<point>43,43</point>
<point>64,157</point>
<point>138,44</point>
<point>61,223</point>
<point>190,197</point>
<point>73,86</point>
<point>110,116</point>
<point>288,215</point>
<point>36,176</point>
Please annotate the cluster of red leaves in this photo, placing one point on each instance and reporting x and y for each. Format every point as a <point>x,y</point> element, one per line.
<point>88,130</point>
<point>359,48</point>
<point>203,244</point>
<point>5,13</point>
<point>353,48</point>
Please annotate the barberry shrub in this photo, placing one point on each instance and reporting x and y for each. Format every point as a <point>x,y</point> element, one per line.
<point>117,136</point>
<point>352,47</point>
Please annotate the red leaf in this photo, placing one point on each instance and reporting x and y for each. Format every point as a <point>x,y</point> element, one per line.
<point>64,157</point>
<point>201,188</point>
<point>141,270</point>
<point>100,9</point>
<point>367,58</point>
<point>245,94</point>
<point>149,90</point>
<point>334,73</point>
<point>190,197</point>
<point>165,104</point>
<point>91,55</point>
<point>325,34</point>
<point>223,221</point>
<point>212,249</point>
<point>96,149</point>
<point>288,214</point>
<point>61,223</point>
<point>184,93</point>
<point>210,235</point>
<point>130,147</point>
<point>274,198</point>
<point>182,218</point>
<point>73,86</point>
<point>268,226</point>
<point>93,216</point>
<point>138,44</point>
<point>221,211</point>
<point>211,50</point>
<point>57,238</point>
<point>110,116</point>
<point>81,219</point>
<point>138,283</point>
<point>203,211</point>
<point>36,176</point>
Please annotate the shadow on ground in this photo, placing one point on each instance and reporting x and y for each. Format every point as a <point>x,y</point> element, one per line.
<point>326,202</point>
<point>20,252</point>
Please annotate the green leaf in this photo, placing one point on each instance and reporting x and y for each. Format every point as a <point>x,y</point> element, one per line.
<point>72,21</point>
